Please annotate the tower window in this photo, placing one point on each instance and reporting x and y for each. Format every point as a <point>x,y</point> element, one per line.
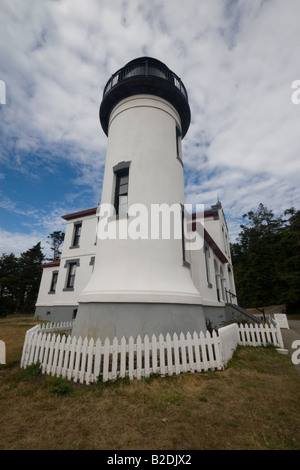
<point>121,190</point>
<point>184,253</point>
<point>178,145</point>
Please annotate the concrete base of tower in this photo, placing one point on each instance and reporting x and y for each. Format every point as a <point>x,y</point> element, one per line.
<point>109,320</point>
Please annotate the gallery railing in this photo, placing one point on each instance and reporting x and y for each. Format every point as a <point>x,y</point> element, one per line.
<point>145,68</point>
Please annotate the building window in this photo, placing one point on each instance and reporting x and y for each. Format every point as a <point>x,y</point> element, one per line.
<point>121,189</point>
<point>71,272</point>
<point>71,276</point>
<point>74,313</point>
<point>53,282</point>
<point>76,234</point>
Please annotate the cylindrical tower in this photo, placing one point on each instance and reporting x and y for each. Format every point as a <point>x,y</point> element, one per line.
<point>141,283</point>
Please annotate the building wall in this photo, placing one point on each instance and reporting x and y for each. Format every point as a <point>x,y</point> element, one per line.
<point>216,226</point>
<point>212,270</point>
<point>50,305</point>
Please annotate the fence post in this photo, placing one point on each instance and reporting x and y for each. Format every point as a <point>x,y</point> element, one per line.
<point>97,363</point>
<point>77,358</point>
<point>190,356</point>
<point>203,351</point>
<point>66,357</point>
<point>106,360</point>
<point>197,353</point>
<point>146,355</point>
<point>115,345</point>
<point>183,352</point>
<point>2,352</point>
<point>278,336</point>
<point>131,353</point>
<point>154,354</point>
<point>71,367</point>
<point>139,357</point>
<point>169,354</point>
<point>123,357</point>
<point>161,354</point>
<point>55,358</point>
<point>176,354</point>
<point>90,360</point>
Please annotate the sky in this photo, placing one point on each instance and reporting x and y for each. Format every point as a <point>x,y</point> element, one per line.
<point>238,60</point>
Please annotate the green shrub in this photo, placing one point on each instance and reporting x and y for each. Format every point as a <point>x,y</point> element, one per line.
<point>59,386</point>
<point>33,370</point>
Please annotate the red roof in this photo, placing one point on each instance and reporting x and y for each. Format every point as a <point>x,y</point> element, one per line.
<point>206,213</point>
<point>84,213</point>
<point>52,264</point>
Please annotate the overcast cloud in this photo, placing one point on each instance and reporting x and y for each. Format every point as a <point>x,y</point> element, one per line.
<point>237,59</point>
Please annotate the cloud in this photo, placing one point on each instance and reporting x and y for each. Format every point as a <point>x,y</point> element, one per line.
<point>17,244</point>
<point>237,60</point>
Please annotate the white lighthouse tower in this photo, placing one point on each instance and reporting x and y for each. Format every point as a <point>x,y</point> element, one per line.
<point>141,282</point>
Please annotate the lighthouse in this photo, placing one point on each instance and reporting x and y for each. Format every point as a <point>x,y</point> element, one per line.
<point>141,281</point>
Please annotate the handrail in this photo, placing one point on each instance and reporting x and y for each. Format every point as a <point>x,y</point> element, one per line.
<point>243,300</point>
<point>145,68</point>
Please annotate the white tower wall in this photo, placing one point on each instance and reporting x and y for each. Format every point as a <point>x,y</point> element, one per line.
<point>142,130</point>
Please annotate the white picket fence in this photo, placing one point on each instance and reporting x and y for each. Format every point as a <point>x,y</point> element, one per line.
<point>84,361</point>
<point>260,335</point>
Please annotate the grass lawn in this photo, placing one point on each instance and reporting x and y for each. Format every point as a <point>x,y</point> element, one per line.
<point>253,405</point>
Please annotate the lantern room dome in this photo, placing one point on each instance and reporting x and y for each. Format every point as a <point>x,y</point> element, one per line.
<point>145,75</point>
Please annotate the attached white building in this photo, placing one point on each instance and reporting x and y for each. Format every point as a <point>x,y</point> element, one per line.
<point>63,280</point>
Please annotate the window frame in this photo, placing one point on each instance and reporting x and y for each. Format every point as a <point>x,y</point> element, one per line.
<point>76,236</point>
<point>53,282</point>
<point>70,264</point>
<point>120,170</point>
<point>184,260</point>
<point>178,145</point>
<point>207,266</point>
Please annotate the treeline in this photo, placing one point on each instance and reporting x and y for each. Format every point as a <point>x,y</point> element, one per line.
<point>20,276</point>
<point>19,281</point>
<point>266,259</point>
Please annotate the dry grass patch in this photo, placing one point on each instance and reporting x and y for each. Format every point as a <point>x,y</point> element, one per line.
<point>254,404</point>
<point>12,332</point>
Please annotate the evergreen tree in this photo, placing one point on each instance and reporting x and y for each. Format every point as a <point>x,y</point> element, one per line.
<point>29,277</point>
<point>56,240</point>
<point>8,283</point>
<point>290,259</point>
<point>20,277</point>
<point>266,258</point>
